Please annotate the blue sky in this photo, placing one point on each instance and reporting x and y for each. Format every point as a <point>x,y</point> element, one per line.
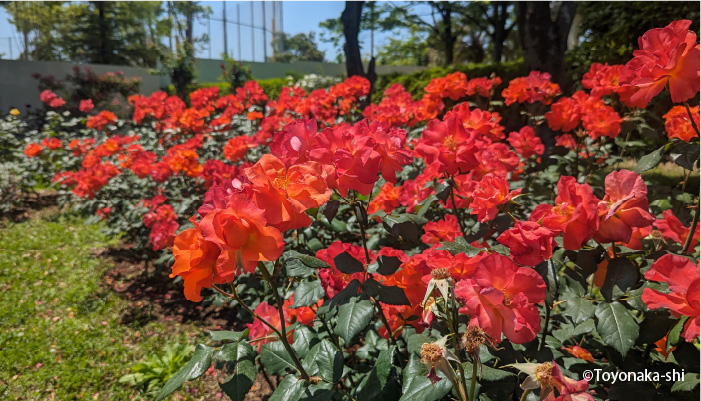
<point>297,16</point>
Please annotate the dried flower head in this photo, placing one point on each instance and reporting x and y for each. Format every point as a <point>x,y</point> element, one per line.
<point>440,274</point>
<point>431,353</point>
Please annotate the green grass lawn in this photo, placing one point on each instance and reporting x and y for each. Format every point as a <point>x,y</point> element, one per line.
<point>60,331</point>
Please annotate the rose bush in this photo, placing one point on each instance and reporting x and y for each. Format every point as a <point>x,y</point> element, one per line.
<point>415,248</point>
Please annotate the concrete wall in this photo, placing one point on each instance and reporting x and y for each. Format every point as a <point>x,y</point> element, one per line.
<point>210,70</point>
<point>18,88</point>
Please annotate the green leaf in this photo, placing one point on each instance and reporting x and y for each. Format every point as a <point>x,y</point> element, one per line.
<point>343,296</point>
<point>353,317</point>
<point>405,226</point>
<point>685,154</point>
<point>386,265</point>
<point>376,380</point>
<point>228,335</point>
<point>391,295</point>
<point>289,389</point>
<point>240,382</point>
<point>329,360</point>
<point>346,263</point>
<point>275,358</point>
<point>650,160</point>
<point>487,373</point>
<point>577,308</point>
<point>460,246</point>
<point>304,339</point>
<point>621,275</point>
<point>307,260</point>
<point>617,326</point>
<point>416,386</point>
<point>688,383</point>
<point>676,331</point>
<point>308,293</point>
<point>194,368</point>
<point>416,341</point>
<point>331,209</point>
<point>318,392</point>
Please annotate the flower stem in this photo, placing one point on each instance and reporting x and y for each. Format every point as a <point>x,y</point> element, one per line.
<point>283,331</point>
<point>691,118</point>
<point>692,231</point>
<point>458,215</point>
<point>473,383</point>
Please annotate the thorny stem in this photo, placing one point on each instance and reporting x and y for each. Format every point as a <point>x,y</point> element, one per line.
<point>474,379</point>
<point>691,118</point>
<point>456,209</point>
<point>283,336</point>
<point>545,326</point>
<point>453,324</point>
<point>692,231</point>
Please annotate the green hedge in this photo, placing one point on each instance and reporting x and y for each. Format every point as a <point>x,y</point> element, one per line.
<point>415,82</point>
<point>271,87</point>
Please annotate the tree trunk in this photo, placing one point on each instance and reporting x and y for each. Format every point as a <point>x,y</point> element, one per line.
<point>103,56</point>
<point>499,16</point>
<point>544,40</point>
<point>448,38</point>
<point>350,18</point>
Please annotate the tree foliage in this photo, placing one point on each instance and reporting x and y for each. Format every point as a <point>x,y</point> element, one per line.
<point>300,47</point>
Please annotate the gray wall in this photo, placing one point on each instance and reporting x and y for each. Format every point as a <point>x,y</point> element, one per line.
<point>18,88</point>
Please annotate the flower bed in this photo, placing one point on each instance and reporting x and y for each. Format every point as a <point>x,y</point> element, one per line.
<point>412,249</point>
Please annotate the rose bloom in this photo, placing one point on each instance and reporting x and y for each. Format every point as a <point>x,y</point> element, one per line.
<point>501,298</point>
<point>285,194</point>
<point>624,207</point>
<point>575,213</point>
<point>682,275</point>
<point>668,56</point>
<point>33,149</point>
<point>672,228</point>
<point>258,330</point>
<point>86,105</point>
<point>195,262</point>
<point>444,230</point>
<point>493,192</point>
<point>678,125</point>
<point>529,243</point>
<point>526,142</point>
<point>240,229</point>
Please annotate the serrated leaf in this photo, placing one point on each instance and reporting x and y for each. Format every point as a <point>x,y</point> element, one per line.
<point>331,209</point>
<point>650,160</point>
<point>307,260</point>
<point>378,376</point>
<point>460,246</point>
<point>343,296</point>
<point>416,341</point>
<point>304,339</point>
<point>675,333</point>
<point>688,383</point>
<point>328,358</point>
<point>289,389</point>
<point>194,368</point>
<point>388,264</point>
<point>228,335</point>
<point>240,382</point>
<point>308,293</point>
<point>391,295</point>
<point>347,264</point>
<point>616,326</point>
<point>685,154</point>
<point>621,275</point>
<point>487,373</point>
<point>405,226</point>
<point>275,358</point>
<point>353,317</point>
<point>578,308</point>
<point>416,386</point>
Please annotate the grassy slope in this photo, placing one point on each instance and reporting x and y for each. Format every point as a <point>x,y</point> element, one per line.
<point>60,331</point>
